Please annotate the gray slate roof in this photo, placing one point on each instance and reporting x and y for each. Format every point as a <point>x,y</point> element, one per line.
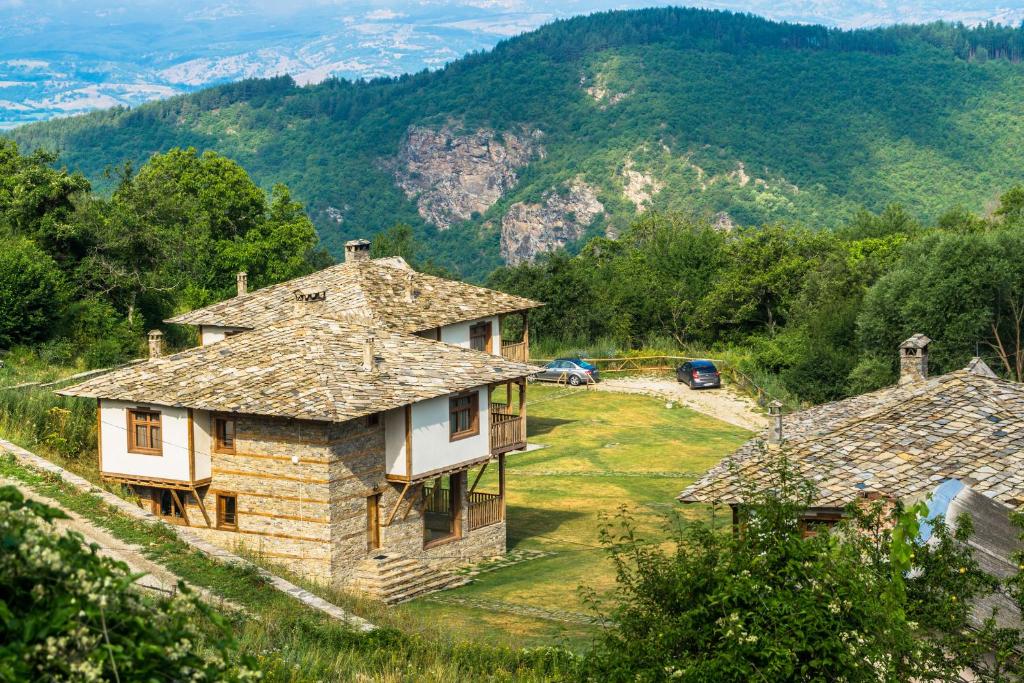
<point>899,441</point>
<point>306,368</point>
<point>385,291</point>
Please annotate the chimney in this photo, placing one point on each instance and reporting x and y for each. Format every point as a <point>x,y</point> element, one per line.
<point>310,301</point>
<point>775,413</point>
<point>914,359</point>
<point>242,280</point>
<point>156,343</point>
<point>357,250</point>
<point>369,353</point>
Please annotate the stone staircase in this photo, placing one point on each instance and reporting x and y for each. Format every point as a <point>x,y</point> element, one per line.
<point>393,578</point>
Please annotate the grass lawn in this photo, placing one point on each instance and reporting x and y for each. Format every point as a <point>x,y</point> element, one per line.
<point>603,451</point>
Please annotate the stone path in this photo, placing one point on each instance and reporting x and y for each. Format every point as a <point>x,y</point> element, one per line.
<point>157,577</point>
<point>33,461</point>
<point>724,404</point>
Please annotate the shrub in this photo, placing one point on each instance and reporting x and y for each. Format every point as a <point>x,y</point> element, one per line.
<point>32,292</point>
<point>68,613</point>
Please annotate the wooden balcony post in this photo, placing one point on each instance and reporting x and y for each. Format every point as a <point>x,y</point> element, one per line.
<point>526,334</point>
<point>501,483</point>
<point>522,408</point>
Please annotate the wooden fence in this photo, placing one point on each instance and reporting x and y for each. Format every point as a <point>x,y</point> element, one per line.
<point>484,509</point>
<point>506,432</point>
<point>642,364</point>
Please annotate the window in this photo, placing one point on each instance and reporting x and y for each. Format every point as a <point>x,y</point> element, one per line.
<point>224,434</point>
<point>227,511</point>
<point>144,432</point>
<point>167,506</point>
<point>373,420</point>
<point>480,337</point>
<point>464,416</point>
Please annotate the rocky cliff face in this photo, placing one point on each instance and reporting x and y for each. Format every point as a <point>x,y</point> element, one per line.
<point>453,174</point>
<point>531,229</point>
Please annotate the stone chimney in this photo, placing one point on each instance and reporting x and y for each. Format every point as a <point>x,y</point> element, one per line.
<point>156,343</point>
<point>775,432</point>
<point>357,250</point>
<point>914,359</point>
<point>242,280</point>
<point>310,301</point>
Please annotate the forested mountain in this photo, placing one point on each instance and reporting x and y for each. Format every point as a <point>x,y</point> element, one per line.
<point>571,130</point>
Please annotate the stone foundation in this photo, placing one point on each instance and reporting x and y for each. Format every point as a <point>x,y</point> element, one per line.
<point>310,516</point>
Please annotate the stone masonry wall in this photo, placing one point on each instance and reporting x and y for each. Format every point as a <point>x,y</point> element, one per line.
<point>311,516</point>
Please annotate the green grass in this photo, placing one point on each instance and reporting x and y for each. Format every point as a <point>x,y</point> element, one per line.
<point>603,451</point>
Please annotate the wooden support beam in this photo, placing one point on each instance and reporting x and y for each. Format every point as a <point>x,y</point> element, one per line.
<point>501,482</point>
<point>522,408</point>
<point>408,441</point>
<point>394,510</point>
<point>477,480</point>
<point>408,508</point>
<point>202,508</point>
<point>181,506</point>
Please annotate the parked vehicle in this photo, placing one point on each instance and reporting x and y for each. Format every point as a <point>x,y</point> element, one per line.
<point>575,371</point>
<point>699,374</point>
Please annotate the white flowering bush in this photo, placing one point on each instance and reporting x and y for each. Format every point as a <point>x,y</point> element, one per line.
<point>69,614</point>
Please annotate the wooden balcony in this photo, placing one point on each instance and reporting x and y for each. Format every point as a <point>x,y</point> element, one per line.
<point>508,431</point>
<point>484,509</point>
<point>518,352</point>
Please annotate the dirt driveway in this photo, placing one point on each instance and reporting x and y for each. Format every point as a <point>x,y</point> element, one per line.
<point>724,404</point>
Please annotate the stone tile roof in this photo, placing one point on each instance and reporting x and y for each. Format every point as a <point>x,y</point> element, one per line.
<point>386,291</point>
<point>899,441</point>
<point>305,368</point>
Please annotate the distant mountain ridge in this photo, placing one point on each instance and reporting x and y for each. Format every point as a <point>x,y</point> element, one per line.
<point>572,130</point>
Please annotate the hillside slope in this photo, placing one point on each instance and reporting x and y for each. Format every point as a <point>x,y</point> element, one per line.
<point>569,131</point>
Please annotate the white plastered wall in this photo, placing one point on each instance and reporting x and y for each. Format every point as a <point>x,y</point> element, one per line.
<point>432,448</point>
<point>203,443</point>
<point>211,334</point>
<point>172,464</point>
<point>457,334</point>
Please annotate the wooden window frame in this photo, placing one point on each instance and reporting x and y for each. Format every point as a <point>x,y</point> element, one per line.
<point>474,416</point>
<point>488,339</point>
<point>131,421</point>
<point>221,524</point>
<point>215,440</point>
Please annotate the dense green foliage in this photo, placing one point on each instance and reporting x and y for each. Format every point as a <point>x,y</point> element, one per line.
<point>89,274</point>
<point>763,120</point>
<point>770,604</point>
<point>823,312</point>
<point>68,613</point>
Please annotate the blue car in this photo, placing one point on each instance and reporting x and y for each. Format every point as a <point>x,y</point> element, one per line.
<point>575,371</point>
<point>699,374</point>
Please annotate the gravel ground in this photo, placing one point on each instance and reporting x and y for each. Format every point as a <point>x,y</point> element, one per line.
<point>724,404</point>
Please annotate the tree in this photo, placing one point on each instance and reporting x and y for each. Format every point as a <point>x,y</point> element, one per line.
<point>33,292</point>
<point>770,604</point>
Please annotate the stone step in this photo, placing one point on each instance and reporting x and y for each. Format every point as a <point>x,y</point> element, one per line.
<point>392,578</point>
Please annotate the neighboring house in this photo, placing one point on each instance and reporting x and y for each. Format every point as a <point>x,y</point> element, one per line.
<point>899,442</point>
<point>329,420</point>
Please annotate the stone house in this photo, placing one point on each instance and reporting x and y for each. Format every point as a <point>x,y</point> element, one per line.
<point>339,424</point>
<point>899,442</point>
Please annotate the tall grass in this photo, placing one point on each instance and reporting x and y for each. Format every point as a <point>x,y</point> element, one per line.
<point>58,427</point>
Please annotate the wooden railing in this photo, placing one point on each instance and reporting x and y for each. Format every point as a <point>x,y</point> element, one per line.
<point>662,364</point>
<point>506,433</point>
<point>518,352</point>
<point>437,499</point>
<point>484,509</point>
